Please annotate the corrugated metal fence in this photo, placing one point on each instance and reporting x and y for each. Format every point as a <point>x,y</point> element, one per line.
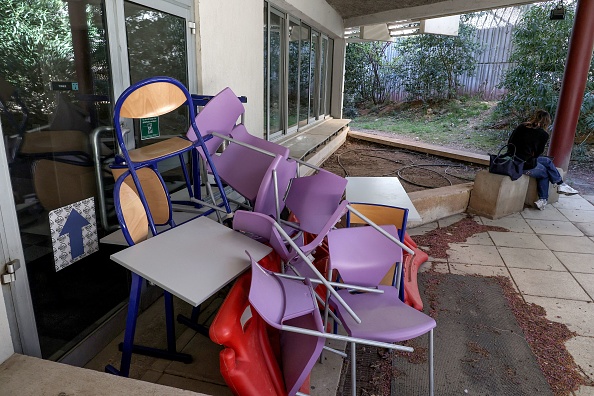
<point>492,63</point>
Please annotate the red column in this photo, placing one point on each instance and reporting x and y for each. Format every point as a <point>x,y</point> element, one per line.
<point>574,83</point>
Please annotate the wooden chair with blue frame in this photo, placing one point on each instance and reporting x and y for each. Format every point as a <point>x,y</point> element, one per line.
<point>134,223</point>
<point>153,97</point>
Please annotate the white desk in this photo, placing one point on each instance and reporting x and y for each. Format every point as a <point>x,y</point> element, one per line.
<point>191,261</point>
<point>380,190</point>
<point>194,260</point>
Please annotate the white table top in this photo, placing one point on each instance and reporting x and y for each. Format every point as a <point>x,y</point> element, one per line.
<point>193,260</point>
<point>380,190</point>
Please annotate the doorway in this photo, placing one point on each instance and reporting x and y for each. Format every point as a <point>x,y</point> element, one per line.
<point>53,95</point>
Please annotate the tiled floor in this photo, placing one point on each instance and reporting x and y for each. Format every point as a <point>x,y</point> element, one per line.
<point>549,256</point>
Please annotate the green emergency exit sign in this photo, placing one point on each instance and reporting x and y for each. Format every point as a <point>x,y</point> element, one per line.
<point>149,128</point>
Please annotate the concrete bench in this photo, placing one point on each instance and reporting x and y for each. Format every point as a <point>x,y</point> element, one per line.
<point>532,196</point>
<point>495,196</point>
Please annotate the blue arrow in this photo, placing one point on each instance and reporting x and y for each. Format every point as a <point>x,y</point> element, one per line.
<point>73,227</point>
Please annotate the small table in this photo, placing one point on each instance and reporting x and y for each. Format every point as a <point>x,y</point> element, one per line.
<point>191,261</point>
<point>380,190</point>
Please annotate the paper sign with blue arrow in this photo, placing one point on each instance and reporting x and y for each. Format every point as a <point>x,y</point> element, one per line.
<point>74,232</point>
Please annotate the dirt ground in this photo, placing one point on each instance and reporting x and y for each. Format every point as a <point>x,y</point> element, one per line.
<point>418,171</point>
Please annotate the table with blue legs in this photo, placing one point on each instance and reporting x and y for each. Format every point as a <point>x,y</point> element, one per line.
<point>191,261</point>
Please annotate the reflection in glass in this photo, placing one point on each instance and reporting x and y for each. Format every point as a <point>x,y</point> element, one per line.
<point>276,74</point>
<point>329,74</point>
<point>265,101</point>
<point>304,75</point>
<point>55,89</point>
<point>157,47</point>
<point>313,102</point>
<point>293,78</point>
<point>323,57</point>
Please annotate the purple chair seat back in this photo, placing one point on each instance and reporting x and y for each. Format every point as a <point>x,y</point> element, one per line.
<point>314,199</point>
<point>219,115</point>
<point>288,302</point>
<point>240,133</point>
<point>362,255</point>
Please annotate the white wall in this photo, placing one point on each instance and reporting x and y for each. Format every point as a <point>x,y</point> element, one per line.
<point>230,52</point>
<point>316,13</point>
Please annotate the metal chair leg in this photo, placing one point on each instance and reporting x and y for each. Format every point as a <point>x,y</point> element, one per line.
<point>431,381</point>
<point>354,368</point>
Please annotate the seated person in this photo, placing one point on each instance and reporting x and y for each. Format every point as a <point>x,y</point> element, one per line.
<point>529,139</point>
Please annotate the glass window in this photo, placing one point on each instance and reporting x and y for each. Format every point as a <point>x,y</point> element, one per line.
<point>314,75</point>
<point>323,65</point>
<point>329,74</point>
<point>293,76</point>
<point>266,69</point>
<point>304,74</point>
<point>275,104</point>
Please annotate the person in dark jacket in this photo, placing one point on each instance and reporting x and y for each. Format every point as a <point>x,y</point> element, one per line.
<point>529,140</point>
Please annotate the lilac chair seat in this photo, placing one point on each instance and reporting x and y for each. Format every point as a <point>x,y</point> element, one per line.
<point>383,316</point>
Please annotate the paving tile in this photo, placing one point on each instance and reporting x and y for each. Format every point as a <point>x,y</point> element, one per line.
<point>516,239</point>
<point>202,368</point>
<point>573,202</point>
<point>584,391</point>
<point>481,270</point>
<point>577,262</point>
<point>422,229</point>
<point>436,266</point>
<point>587,282</point>
<point>577,315</point>
<point>589,198</point>
<point>152,376</point>
<point>550,213</point>
<point>474,254</point>
<point>480,239</point>
<point>548,284</point>
<point>514,223</point>
<point>578,216</point>
<point>543,259</point>
<point>582,350</point>
<point>562,243</point>
<point>451,220</point>
<point>548,227</point>
<point>194,385</point>
<point>586,228</point>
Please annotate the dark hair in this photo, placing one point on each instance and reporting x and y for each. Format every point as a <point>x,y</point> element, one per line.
<point>540,119</point>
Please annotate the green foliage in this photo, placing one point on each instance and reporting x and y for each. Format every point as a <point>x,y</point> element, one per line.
<point>430,65</point>
<point>538,58</point>
<point>36,47</point>
<point>368,73</point>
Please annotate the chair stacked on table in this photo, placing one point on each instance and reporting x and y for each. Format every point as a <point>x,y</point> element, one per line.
<point>371,313</point>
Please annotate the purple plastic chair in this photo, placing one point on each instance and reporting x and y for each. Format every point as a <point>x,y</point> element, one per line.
<point>362,255</point>
<point>290,306</point>
<point>284,302</point>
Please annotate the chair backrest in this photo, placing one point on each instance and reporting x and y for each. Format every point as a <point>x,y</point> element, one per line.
<point>314,199</point>
<point>130,212</point>
<point>219,115</point>
<point>154,190</point>
<point>247,363</point>
<point>261,226</point>
<point>380,215</point>
<point>240,133</point>
<point>266,200</point>
<point>362,255</point>
<point>279,302</point>
<point>150,97</point>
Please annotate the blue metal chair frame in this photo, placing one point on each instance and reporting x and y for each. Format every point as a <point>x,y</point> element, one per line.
<point>132,166</point>
<point>128,347</point>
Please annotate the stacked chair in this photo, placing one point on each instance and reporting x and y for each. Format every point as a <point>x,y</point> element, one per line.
<point>157,96</point>
<point>361,276</point>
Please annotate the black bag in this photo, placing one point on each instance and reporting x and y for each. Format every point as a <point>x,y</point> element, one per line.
<point>506,164</point>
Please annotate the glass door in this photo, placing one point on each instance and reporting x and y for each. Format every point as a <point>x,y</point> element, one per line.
<point>55,89</point>
<point>59,79</point>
